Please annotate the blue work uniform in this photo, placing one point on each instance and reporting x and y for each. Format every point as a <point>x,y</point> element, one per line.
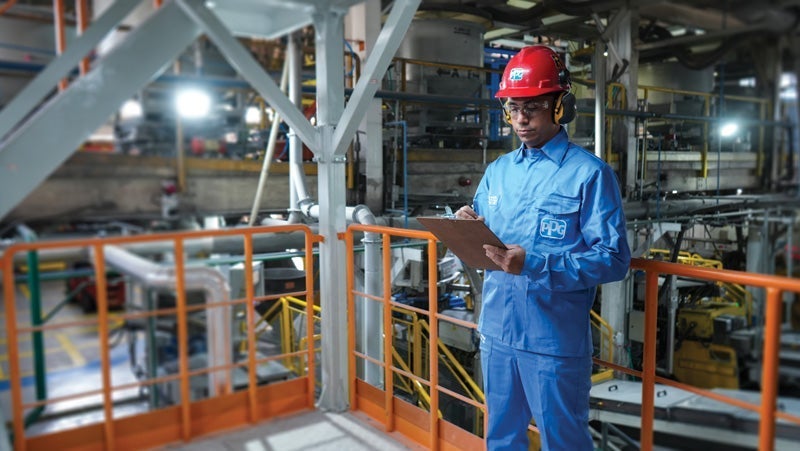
<point>563,205</point>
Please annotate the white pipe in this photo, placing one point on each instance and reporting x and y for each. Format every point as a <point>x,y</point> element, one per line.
<point>370,313</point>
<point>298,193</point>
<point>208,280</point>
<point>273,137</point>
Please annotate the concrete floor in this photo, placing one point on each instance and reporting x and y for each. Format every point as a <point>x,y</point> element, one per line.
<point>313,430</point>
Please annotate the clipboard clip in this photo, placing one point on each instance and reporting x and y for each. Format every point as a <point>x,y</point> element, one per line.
<point>448,212</point>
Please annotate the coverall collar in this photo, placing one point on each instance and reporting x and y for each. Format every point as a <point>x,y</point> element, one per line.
<point>555,149</point>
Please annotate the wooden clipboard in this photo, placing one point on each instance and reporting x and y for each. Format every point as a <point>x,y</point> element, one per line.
<point>465,237</point>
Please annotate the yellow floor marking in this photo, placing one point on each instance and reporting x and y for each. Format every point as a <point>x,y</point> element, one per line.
<point>71,350</point>
<point>25,291</point>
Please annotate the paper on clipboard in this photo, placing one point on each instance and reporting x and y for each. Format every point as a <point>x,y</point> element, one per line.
<point>465,237</point>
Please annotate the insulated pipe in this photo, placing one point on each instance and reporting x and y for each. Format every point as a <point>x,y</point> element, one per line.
<point>370,313</point>
<point>262,243</point>
<point>215,288</point>
<point>298,193</point>
<point>273,136</point>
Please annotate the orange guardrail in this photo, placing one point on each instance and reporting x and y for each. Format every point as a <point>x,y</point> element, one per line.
<point>398,416</point>
<point>186,419</point>
<point>428,427</point>
<point>393,413</point>
<point>774,286</point>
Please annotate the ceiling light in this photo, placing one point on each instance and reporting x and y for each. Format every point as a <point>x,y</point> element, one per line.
<point>193,103</point>
<point>498,32</point>
<point>728,129</point>
<point>252,116</point>
<point>131,109</point>
<point>521,4</point>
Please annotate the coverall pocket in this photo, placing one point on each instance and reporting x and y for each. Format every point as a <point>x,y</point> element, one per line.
<point>557,221</point>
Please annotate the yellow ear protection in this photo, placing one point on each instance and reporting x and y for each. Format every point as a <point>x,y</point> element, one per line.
<point>506,114</point>
<point>564,109</point>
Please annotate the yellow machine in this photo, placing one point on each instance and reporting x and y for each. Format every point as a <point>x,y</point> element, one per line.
<point>701,358</point>
<point>712,334</point>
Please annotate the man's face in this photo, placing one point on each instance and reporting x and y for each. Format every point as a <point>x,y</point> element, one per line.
<point>532,120</point>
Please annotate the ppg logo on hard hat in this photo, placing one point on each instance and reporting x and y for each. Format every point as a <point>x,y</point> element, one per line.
<point>516,74</point>
<point>553,228</point>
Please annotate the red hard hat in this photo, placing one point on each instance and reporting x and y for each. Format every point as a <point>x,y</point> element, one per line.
<point>534,71</point>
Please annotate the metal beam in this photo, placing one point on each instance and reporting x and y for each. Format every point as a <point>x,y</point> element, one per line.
<point>385,48</point>
<point>243,62</point>
<point>329,37</point>
<point>268,19</point>
<point>33,93</point>
<point>43,142</point>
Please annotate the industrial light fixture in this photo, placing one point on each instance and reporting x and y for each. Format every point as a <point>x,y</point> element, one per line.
<point>131,109</point>
<point>728,129</point>
<point>193,103</point>
<point>521,4</point>
<point>252,116</point>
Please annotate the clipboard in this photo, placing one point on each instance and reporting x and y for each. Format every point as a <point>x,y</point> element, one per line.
<point>465,237</point>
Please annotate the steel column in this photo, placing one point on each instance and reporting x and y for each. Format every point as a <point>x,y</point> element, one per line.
<point>331,186</point>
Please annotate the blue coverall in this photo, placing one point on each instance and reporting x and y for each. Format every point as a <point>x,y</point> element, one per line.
<point>562,204</point>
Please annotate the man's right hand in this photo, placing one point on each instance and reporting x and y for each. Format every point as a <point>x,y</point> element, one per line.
<point>466,212</point>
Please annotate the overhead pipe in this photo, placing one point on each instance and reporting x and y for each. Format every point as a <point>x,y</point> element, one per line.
<point>203,278</point>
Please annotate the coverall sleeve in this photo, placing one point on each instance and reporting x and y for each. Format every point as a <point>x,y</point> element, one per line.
<point>604,257</point>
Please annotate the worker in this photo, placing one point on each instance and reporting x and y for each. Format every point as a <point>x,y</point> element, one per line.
<point>558,209</point>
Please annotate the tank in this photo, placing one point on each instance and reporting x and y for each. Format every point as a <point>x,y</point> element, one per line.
<point>446,42</point>
<point>673,75</point>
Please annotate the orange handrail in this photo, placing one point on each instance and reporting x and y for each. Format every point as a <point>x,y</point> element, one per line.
<point>7,5</point>
<point>774,285</point>
<point>61,38</point>
<point>436,433</point>
<point>178,422</point>
<point>82,10</point>
<point>428,436</point>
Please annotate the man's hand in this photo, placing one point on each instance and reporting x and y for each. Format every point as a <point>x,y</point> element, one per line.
<point>510,260</point>
<point>466,212</point>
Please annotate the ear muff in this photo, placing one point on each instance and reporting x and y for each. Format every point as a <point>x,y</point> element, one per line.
<point>564,109</point>
<point>506,114</point>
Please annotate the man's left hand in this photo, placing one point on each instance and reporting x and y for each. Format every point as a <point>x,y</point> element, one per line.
<point>510,260</point>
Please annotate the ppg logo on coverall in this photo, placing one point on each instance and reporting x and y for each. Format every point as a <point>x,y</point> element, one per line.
<point>553,228</point>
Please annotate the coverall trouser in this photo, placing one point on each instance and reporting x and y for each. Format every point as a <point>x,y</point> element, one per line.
<point>553,390</point>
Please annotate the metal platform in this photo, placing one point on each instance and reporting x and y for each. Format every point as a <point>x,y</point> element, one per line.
<point>314,430</point>
<point>690,416</point>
